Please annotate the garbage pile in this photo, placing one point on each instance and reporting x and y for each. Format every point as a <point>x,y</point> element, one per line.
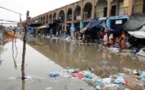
<point>133,79</point>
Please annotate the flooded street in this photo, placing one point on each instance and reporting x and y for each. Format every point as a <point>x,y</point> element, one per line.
<point>47,55</point>
<point>36,70</point>
<point>75,55</point>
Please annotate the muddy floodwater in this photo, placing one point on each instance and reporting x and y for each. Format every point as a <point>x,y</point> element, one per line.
<point>47,55</point>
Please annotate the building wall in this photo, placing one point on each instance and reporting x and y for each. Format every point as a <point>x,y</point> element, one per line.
<point>138,6</point>
<point>123,7</point>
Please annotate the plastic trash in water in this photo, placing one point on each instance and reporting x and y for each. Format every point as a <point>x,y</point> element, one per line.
<point>142,75</point>
<point>88,74</point>
<point>98,87</point>
<point>53,74</point>
<point>12,78</point>
<point>134,50</point>
<point>98,81</point>
<point>119,80</point>
<point>49,88</point>
<point>111,85</point>
<point>78,75</point>
<point>127,82</point>
<point>107,80</point>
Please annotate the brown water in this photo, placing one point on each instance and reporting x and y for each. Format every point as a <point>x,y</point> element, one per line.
<point>73,55</point>
<point>46,55</point>
<point>37,68</point>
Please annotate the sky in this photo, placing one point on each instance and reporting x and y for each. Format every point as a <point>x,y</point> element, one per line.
<point>35,7</point>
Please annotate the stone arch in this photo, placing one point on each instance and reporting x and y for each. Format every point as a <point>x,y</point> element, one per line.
<point>47,19</point>
<point>77,13</point>
<point>44,19</point>
<point>61,16</point>
<point>117,7</point>
<point>87,10</point>
<point>54,16</point>
<point>50,18</point>
<point>69,14</point>
<point>41,19</point>
<point>101,8</point>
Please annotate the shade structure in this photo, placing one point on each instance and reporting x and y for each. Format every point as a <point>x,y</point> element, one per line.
<point>139,33</point>
<point>94,23</point>
<point>115,21</point>
<point>35,24</point>
<point>135,22</point>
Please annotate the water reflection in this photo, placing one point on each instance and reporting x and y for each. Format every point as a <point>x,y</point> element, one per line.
<point>2,50</point>
<point>83,56</point>
<point>23,85</point>
<point>14,52</point>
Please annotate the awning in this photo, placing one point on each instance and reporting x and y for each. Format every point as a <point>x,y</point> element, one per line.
<point>43,27</point>
<point>135,22</point>
<point>140,33</point>
<point>35,24</point>
<point>114,21</point>
<point>94,23</point>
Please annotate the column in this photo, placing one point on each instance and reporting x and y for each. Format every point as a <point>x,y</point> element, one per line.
<point>65,13</point>
<point>81,14</point>
<point>109,8</point>
<point>93,9</point>
<point>118,8</point>
<point>130,9</point>
<point>73,13</point>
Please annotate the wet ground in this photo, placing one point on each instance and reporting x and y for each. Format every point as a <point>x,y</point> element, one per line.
<point>74,55</point>
<point>46,55</point>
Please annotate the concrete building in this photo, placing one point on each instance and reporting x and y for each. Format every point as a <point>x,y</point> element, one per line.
<point>85,10</point>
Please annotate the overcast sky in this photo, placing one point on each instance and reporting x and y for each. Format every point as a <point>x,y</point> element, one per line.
<point>36,7</point>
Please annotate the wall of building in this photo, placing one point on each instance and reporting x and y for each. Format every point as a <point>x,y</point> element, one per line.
<point>138,6</point>
<point>123,7</point>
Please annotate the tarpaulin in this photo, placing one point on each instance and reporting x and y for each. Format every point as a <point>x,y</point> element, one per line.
<point>115,21</point>
<point>93,23</point>
<point>139,33</point>
<point>135,22</point>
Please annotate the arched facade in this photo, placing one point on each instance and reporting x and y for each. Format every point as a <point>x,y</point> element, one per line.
<point>101,8</point>
<point>50,18</point>
<point>61,15</point>
<point>47,19</point>
<point>44,20</point>
<point>77,13</point>
<point>87,10</point>
<point>54,16</point>
<point>69,14</point>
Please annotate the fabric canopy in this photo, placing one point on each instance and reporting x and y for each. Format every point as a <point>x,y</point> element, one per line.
<point>140,33</point>
<point>116,20</point>
<point>35,24</point>
<point>137,34</point>
<point>93,23</point>
<point>43,27</point>
<point>135,22</point>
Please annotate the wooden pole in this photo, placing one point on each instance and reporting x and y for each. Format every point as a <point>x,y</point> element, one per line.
<point>24,47</point>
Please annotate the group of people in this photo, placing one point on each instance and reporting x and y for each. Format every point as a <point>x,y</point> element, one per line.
<point>119,41</point>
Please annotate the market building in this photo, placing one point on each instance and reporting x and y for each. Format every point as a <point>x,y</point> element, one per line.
<point>85,10</point>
